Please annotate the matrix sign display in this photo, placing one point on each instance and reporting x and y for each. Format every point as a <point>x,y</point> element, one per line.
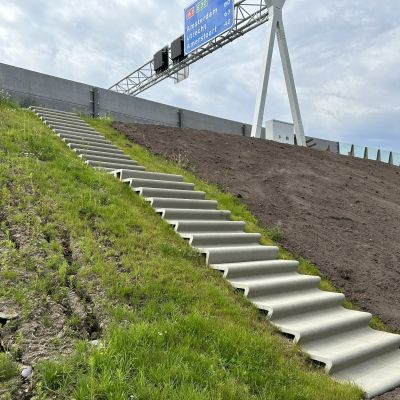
<point>205,20</point>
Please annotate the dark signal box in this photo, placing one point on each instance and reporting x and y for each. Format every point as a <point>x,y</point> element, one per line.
<point>178,50</point>
<point>161,60</point>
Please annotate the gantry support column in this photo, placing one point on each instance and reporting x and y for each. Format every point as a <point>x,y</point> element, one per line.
<point>276,29</point>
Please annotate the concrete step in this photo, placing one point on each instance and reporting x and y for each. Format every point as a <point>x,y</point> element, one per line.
<point>70,123</point>
<point>46,115</point>
<point>68,128</point>
<point>49,110</point>
<point>116,165</point>
<point>170,193</point>
<point>108,159</point>
<point>322,324</point>
<point>287,304</point>
<point>266,285</point>
<point>103,146</point>
<point>223,255</point>
<point>176,214</point>
<point>159,184</point>
<point>88,147</point>
<point>88,138</point>
<point>101,154</point>
<point>93,135</point>
<point>150,175</point>
<point>159,202</point>
<point>112,170</point>
<point>376,375</point>
<point>257,268</point>
<point>221,239</point>
<point>348,349</point>
<point>196,226</point>
<point>48,119</point>
<point>50,116</point>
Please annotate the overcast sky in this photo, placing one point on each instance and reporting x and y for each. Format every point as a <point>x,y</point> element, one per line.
<point>345,55</point>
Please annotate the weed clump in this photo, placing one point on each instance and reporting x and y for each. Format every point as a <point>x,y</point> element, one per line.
<point>276,234</point>
<point>6,100</point>
<point>8,369</point>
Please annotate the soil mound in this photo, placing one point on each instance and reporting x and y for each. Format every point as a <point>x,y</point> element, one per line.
<point>341,213</point>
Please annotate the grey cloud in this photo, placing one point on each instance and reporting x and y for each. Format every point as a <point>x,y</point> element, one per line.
<point>345,57</point>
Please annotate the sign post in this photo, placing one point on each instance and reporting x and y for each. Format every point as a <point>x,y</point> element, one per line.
<point>276,29</point>
<point>205,20</point>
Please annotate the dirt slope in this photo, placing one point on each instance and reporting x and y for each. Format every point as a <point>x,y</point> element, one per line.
<point>342,214</point>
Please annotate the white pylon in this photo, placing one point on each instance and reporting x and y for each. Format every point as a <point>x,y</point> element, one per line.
<point>276,28</point>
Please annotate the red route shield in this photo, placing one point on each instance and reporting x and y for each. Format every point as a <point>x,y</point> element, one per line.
<point>190,13</point>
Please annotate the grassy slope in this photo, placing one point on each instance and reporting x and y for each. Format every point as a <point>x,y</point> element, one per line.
<point>175,329</point>
<point>226,201</point>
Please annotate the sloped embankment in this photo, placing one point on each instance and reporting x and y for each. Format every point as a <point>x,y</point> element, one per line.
<point>87,265</point>
<point>342,214</point>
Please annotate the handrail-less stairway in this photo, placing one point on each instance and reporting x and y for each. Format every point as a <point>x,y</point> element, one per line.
<point>337,337</point>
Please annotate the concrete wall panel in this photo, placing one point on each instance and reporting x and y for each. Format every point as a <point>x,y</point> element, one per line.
<point>33,88</point>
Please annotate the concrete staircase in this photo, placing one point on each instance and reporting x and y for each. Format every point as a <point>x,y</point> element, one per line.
<point>341,339</point>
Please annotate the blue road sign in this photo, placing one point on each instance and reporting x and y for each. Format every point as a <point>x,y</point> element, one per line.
<point>205,20</point>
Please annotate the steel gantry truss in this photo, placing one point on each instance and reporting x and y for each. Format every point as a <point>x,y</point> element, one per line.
<point>249,14</point>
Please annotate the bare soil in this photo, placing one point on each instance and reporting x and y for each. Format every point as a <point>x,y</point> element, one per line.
<point>341,213</point>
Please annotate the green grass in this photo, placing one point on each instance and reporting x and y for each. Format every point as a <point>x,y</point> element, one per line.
<point>173,329</point>
<point>8,369</point>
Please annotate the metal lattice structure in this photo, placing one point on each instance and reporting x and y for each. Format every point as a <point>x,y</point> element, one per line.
<point>249,14</point>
